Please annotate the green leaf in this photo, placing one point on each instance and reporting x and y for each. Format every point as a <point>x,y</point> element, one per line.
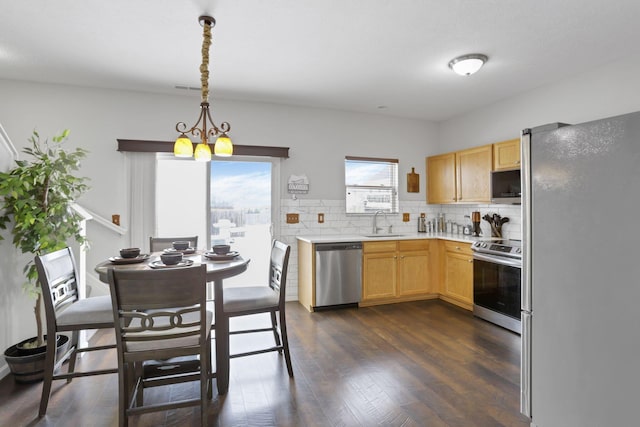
<point>35,196</point>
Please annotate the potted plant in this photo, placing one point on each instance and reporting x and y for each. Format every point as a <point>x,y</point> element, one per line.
<point>35,200</point>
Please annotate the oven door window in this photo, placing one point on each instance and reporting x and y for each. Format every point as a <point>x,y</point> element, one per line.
<point>497,287</point>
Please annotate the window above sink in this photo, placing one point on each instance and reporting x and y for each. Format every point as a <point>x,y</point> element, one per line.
<point>371,185</point>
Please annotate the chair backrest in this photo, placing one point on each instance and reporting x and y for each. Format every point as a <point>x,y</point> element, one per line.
<point>157,244</point>
<point>58,280</point>
<point>278,268</point>
<point>150,306</point>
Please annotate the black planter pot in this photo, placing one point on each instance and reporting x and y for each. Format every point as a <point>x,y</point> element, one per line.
<point>27,365</point>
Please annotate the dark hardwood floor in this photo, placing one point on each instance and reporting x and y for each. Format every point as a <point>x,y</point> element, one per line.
<point>421,363</point>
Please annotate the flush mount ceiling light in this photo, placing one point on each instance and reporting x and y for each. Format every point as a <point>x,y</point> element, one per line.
<point>468,64</point>
<point>223,147</point>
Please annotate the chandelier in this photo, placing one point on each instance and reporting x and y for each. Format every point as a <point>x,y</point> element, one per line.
<point>183,146</point>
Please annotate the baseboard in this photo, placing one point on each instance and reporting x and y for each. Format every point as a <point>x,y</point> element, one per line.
<point>454,301</point>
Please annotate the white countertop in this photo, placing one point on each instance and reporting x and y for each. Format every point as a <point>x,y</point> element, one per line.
<point>340,238</point>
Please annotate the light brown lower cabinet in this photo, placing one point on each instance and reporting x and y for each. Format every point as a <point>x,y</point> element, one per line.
<point>396,271</point>
<point>402,270</point>
<point>457,273</point>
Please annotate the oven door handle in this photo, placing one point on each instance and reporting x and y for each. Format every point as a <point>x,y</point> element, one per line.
<point>512,262</point>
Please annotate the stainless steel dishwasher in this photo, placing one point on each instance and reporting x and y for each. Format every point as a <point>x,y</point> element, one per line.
<point>338,273</point>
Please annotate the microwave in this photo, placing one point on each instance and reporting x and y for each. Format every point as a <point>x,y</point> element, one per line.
<point>505,187</point>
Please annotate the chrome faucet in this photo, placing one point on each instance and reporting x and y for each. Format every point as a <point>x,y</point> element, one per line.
<point>375,227</point>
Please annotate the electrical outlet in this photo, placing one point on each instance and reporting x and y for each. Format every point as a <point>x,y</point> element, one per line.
<point>320,218</point>
<point>405,217</point>
<point>115,218</point>
<point>423,215</point>
<point>293,218</point>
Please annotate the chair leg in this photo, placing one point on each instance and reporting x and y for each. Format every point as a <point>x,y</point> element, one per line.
<point>209,373</point>
<point>74,354</point>
<point>274,327</point>
<point>205,380</point>
<point>134,374</point>
<point>49,365</point>
<point>285,343</point>
<point>126,383</point>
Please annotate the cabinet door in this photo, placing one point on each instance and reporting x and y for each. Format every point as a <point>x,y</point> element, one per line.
<point>441,179</point>
<point>458,280</point>
<point>506,155</point>
<point>378,275</point>
<point>473,167</point>
<point>413,273</point>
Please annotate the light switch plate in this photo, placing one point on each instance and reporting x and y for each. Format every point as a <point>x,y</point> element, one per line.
<point>293,218</point>
<point>405,217</point>
<point>320,218</point>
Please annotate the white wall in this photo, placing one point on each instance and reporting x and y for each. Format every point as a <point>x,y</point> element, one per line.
<point>603,92</point>
<point>319,139</point>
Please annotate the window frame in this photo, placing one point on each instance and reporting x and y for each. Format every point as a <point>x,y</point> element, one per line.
<point>391,188</point>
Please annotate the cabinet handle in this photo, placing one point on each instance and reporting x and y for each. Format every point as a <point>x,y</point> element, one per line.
<point>471,260</point>
<point>395,257</point>
<point>458,247</point>
<point>401,256</point>
<point>517,162</point>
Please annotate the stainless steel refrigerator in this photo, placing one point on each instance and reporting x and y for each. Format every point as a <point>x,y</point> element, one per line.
<point>581,273</point>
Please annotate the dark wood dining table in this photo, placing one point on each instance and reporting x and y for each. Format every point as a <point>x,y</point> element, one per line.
<point>217,271</point>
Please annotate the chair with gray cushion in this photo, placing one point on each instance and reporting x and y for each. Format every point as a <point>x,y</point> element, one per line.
<point>163,336</point>
<point>66,312</point>
<point>268,298</point>
<point>156,244</point>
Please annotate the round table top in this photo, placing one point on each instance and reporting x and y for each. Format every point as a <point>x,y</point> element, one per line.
<point>216,270</point>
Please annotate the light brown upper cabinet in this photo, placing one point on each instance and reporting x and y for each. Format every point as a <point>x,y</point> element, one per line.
<point>473,169</point>
<point>441,178</point>
<point>460,177</point>
<point>506,155</point>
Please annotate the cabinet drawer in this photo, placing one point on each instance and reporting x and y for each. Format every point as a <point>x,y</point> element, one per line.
<point>463,248</point>
<point>384,246</point>
<point>413,245</point>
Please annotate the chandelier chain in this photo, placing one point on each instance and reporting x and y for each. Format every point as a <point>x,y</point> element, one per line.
<point>204,67</point>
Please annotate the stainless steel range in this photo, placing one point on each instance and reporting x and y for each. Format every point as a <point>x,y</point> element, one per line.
<point>497,282</point>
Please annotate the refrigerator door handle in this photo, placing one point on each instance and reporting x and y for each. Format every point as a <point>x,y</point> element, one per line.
<point>525,366</point>
<point>525,154</point>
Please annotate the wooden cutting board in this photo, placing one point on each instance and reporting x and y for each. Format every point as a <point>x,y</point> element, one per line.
<point>413,182</point>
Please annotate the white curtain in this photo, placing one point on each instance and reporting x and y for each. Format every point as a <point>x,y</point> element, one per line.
<point>141,178</point>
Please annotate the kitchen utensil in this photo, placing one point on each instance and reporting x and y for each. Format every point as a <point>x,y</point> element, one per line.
<point>495,221</point>
<point>422,224</point>
<point>477,231</point>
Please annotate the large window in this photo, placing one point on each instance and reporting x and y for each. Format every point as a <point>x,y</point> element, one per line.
<point>371,185</point>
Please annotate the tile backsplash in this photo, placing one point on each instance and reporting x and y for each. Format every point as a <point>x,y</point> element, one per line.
<point>336,222</point>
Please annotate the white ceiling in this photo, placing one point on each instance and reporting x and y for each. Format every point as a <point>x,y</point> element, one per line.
<point>354,55</point>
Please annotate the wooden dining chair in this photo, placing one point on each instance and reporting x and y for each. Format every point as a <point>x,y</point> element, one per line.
<point>268,298</point>
<point>66,312</point>
<point>162,328</point>
<point>156,244</point>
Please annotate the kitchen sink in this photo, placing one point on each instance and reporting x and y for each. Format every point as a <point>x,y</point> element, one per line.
<point>382,235</point>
